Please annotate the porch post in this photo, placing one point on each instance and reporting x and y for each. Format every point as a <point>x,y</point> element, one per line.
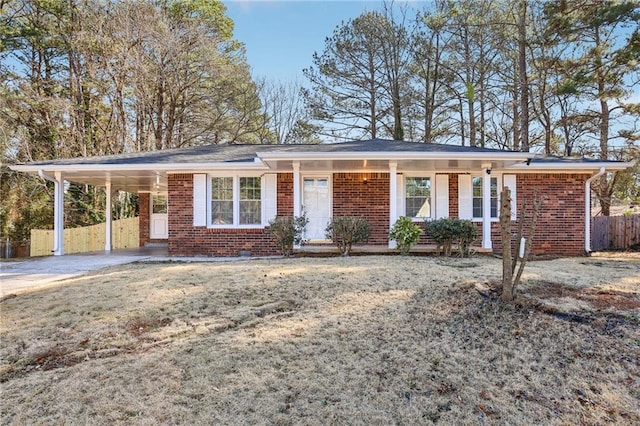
<point>297,204</point>
<point>486,206</point>
<point>108,223</point>
<point>393,198</point>
<point>58,215</point>
<point>297,199</point>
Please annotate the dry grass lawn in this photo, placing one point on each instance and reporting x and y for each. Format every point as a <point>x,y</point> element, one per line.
<point>370,340</point>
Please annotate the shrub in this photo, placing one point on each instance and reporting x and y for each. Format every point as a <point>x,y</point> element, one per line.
<point>442,232</point>
<point>288,231</point>
<point>466,232</point>
<point>405,233</point>
<point>345,231</point>
<point>447,231</point>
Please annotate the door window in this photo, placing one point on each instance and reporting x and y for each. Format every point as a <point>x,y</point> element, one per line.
<point>159,204</point>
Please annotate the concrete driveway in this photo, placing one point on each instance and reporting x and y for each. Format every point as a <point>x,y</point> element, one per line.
<point>30,273</point>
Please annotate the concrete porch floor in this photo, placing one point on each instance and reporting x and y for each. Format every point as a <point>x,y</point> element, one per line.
<point>328,248</point>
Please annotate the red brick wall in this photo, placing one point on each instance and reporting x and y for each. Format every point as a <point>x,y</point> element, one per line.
<point>187,240</point>
<point>560,227</point>
<point>143,223</point>
<point>285,194</point>
<point>453,195</point>
<point>353,197</point>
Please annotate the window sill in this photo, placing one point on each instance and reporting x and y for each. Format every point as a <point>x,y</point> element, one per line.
<point>236,226</point>
<point>421,219</point>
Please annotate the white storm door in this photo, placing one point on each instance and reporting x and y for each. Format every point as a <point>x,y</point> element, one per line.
<point>316,202</point>
<point>158,220</point>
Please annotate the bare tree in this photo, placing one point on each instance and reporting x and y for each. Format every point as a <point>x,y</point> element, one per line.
<point>284,110</point>
<point>509,257</point>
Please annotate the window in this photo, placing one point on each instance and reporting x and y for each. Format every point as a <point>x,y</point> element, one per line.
<point>477,189</point>
<point>418,197</point>
<point>250,201</point>
<point>236,201</point>
<point>222,201</point>
<point>159,204</point>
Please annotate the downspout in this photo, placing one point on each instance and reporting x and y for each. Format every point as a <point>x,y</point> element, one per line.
<point>587,209</point>
<point>57,241</point>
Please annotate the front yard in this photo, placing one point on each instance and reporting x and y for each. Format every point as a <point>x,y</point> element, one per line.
<point>360,340</point>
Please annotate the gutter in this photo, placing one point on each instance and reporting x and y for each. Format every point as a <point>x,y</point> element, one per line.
<point>392,156</point>
<point>569,167</point>
<point>587,209</point>
<point>175,167</point>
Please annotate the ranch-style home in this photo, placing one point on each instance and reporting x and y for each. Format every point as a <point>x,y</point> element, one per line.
<point>217,200</point>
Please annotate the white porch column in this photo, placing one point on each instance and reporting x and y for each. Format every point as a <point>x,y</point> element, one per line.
<point>58,215</point>
<point>297,196</point>
<point>393,198</point>
<point>486,206</point>
<point>108,219</point>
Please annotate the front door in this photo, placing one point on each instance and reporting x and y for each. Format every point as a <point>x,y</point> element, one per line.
<point>158,220</point>
<point>316,201</point>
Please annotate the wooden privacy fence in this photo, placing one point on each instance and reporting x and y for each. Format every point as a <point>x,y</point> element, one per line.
<point>615,232</point>
<point>124,234</point>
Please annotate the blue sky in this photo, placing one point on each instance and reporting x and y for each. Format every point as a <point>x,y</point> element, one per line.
<point>281,36</point>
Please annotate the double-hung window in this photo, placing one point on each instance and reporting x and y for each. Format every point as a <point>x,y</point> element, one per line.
<point>222,201</point>
<point>418,197</point>
<point>236,201</point>
<point>477,191</point>
<point>250,211</point>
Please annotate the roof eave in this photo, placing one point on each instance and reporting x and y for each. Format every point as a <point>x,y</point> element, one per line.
<point>413,155</point>
<point>174,167</point>
<point>542,166</point>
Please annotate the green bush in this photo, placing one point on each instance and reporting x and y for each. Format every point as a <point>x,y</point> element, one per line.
<point>442,232</point>
<point>288,231</point>
<point>466,232</point>
<point>446,231</point>
<point>345,231</point>
<point>405,233</point>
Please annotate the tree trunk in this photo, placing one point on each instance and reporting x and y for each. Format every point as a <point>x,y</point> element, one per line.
<point>505,228</point>
<point>472,120</point>
<point>523,79</point>
<point>516,115</point>
<point>509,282</point>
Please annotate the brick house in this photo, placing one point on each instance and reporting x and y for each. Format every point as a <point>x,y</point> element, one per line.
<point>217,200</point>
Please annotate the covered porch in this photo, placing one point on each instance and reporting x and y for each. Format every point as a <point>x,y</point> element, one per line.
<point>365,174</point>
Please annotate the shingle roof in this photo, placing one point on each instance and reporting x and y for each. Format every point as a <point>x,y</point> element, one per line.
<point>554,159</point>
<point>247,153</point>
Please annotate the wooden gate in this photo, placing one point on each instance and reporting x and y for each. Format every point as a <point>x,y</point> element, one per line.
<point>615,232</point>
